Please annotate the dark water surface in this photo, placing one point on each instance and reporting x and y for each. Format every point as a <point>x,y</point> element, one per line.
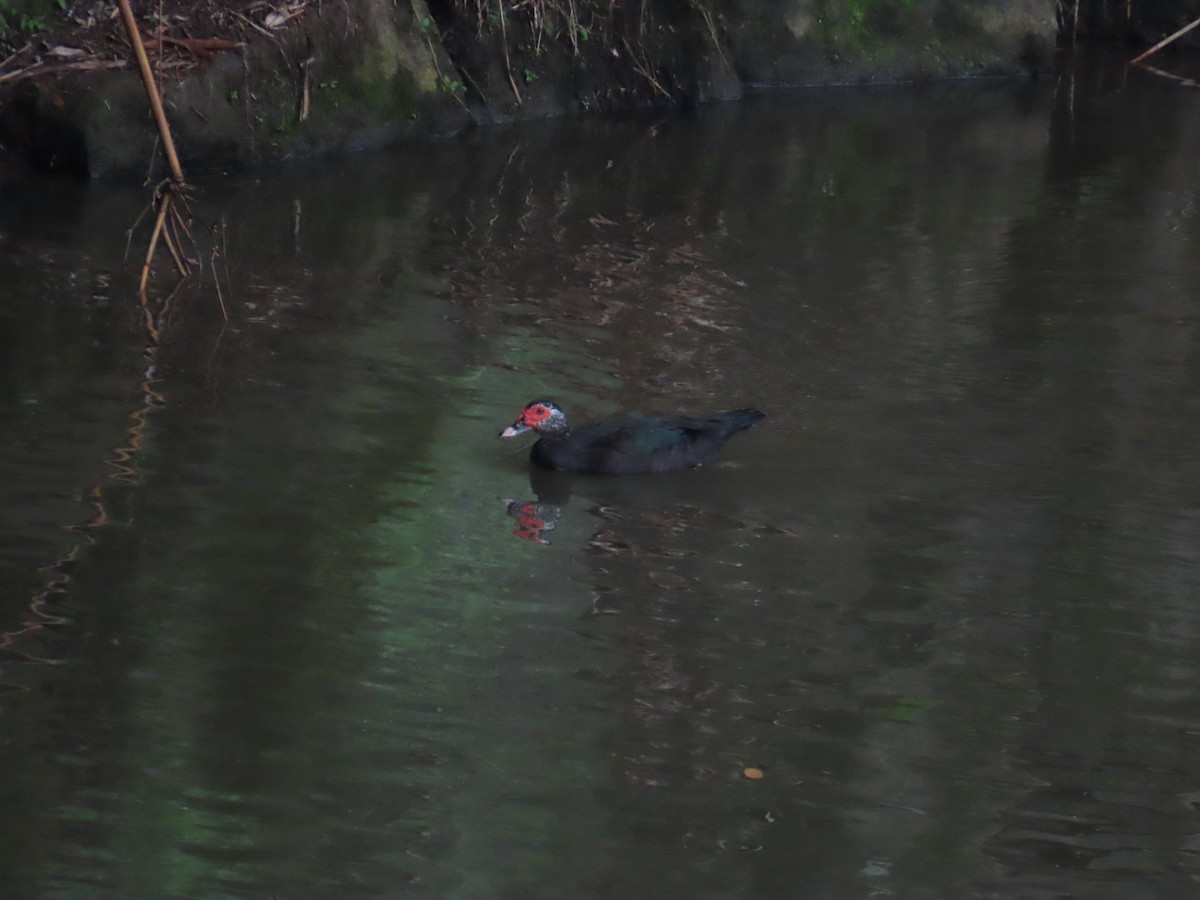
<point>268,630</point>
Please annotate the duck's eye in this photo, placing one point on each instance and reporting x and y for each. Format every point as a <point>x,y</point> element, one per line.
<point>538,413</point>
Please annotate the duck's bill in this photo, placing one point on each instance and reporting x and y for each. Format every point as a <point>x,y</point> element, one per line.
<point>514,429</point>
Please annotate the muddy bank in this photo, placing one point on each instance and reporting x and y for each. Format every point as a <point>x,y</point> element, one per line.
<point>311,78</point>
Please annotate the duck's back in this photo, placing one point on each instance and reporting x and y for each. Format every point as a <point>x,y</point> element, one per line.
<point>649,444</point>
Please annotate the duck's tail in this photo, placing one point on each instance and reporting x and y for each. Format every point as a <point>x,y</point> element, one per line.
<point>736,420</point>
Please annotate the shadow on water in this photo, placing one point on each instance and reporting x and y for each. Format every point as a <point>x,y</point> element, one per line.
<point>927,632</point>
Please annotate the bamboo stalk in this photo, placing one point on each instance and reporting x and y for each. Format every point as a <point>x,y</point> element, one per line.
<point>1167,40</point>
<point>160,116</point>
<point>163,207</point>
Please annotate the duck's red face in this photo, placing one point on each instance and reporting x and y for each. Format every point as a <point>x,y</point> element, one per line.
<point>540,415</point>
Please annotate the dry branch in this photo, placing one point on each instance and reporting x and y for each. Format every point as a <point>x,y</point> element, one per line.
<point>1186,82</point>
<point>82,65</point>
<point>1167,40</point>
<point>8,59</point>
<point>504,45</point>
<point>205,48</point>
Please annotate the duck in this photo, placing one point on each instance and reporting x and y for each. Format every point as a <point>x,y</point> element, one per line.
<point>626,445</point>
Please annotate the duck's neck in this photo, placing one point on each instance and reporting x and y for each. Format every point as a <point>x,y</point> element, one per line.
<point>555,431</point>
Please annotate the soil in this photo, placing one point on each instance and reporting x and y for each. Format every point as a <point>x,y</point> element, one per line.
<point>248,83</point>
<point>42,74</point>
<point>178,35</point>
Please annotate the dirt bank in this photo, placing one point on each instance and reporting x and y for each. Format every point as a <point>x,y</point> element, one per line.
<point>249,83</point>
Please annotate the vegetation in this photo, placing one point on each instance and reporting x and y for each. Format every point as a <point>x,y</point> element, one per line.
<point>28,16</point>
<point>596,46</point>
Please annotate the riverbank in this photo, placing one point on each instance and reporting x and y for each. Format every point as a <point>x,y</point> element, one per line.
<point>250,84</point>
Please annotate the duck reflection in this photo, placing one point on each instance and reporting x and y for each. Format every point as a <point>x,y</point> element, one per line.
<point>533,519</point>
<point>608,499</point>
<point>536,517</point>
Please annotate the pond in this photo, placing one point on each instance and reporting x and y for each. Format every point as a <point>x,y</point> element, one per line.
<point>282,616</point>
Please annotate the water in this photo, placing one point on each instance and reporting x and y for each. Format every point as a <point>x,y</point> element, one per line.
<point>267,627</point>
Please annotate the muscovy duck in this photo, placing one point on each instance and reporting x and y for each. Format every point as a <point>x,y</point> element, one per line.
<point>628,445</point>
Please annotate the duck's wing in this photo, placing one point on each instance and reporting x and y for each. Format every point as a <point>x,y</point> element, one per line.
<point>647,436</point>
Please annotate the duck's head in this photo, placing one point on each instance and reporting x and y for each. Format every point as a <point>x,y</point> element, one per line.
<point>542,416</point>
